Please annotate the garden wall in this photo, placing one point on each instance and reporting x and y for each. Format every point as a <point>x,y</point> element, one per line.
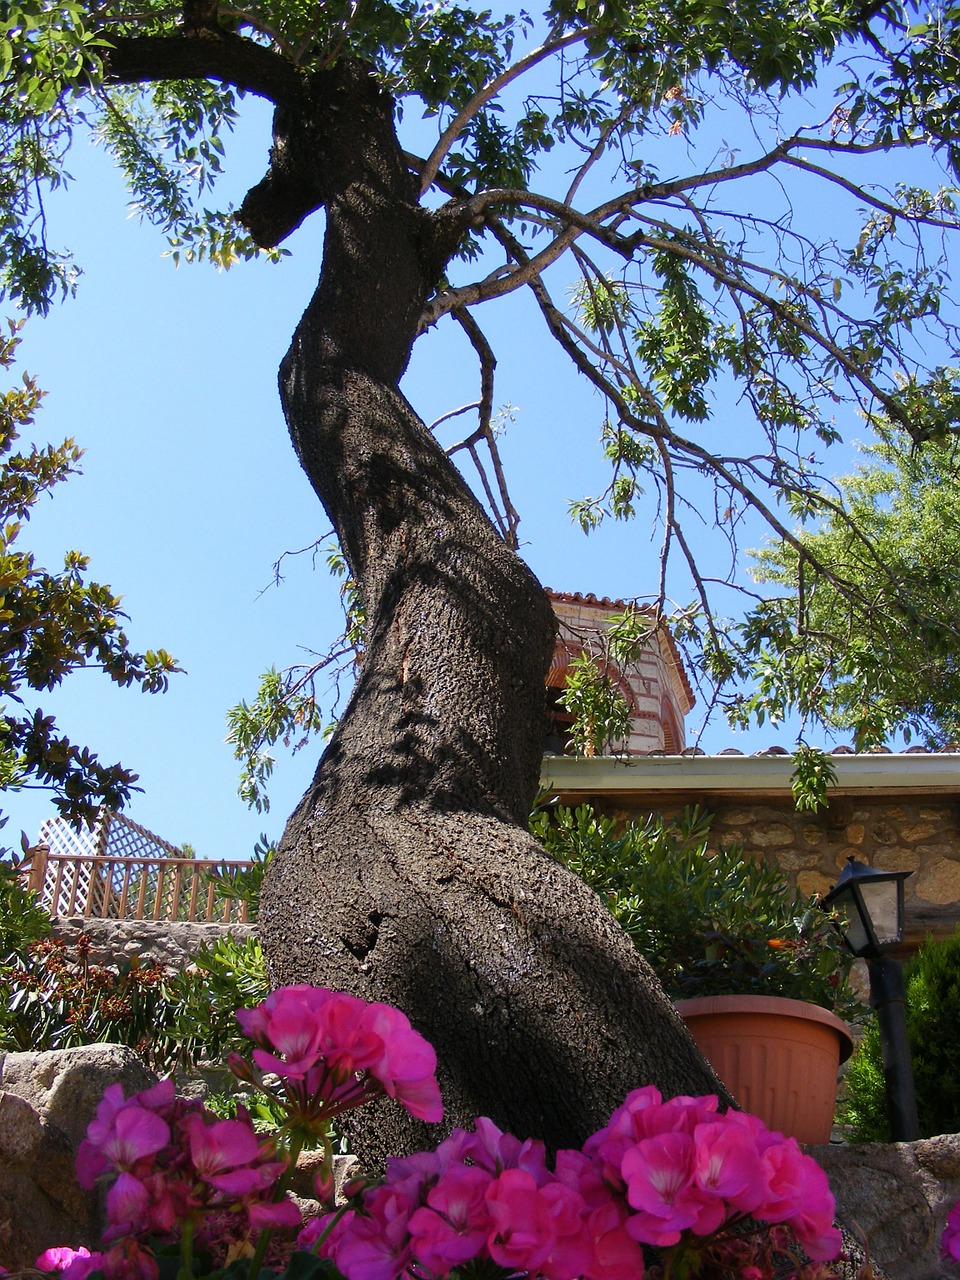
<point>171,943</point>
<point>918,835</point>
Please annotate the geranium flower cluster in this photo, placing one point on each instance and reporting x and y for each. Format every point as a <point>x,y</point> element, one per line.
<point>177,1168</point>
<point>713,1195</point>
<point>482,1194</point>
<point>676,1174</point>
<point>683,1166</point>
<point>333,1051</point>
<point>181,1175</point>
<point>950,1240</point>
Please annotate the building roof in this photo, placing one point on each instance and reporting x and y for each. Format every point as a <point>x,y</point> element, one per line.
<point>668,648</point>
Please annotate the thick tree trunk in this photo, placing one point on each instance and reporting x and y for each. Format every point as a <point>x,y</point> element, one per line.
<point>407,874</point>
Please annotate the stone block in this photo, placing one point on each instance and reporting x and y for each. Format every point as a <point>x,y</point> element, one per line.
<point>898,859</point>
<point>811,882</point>
<point>772,835</point>
<point>939,881</point>
<point>912,832</point>
<point>884,833</point>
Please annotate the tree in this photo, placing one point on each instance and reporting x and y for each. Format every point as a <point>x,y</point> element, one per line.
<point>896,666</point>
<point>407,872</point>
<point>52,624</point>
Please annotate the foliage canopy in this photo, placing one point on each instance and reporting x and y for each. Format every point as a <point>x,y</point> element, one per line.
<point>596,136</point>
<point>898,667</point>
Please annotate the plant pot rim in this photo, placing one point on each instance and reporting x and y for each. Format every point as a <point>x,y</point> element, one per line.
<point>781,1006</point>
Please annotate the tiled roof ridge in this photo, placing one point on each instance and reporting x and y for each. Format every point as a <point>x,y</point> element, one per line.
<point>600,602</point>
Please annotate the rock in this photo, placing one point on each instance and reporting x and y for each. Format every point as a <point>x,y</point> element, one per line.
<point>897,1197</point>
<point>46,1102</point>
<point>40,1201</point>
<point>66,1085</point>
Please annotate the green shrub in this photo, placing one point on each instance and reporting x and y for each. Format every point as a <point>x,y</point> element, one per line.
<point>22,919</point>
<point>52,997</point>
<point>243,885</point>
<point>229,975</point>
<point>933,1015</point>
<point>709,922</point>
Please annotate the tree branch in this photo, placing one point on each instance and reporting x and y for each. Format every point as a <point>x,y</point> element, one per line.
<point>490,90</point>
<point>228,58</point>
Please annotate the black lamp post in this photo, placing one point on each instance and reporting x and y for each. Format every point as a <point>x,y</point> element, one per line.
<point>870,904</point>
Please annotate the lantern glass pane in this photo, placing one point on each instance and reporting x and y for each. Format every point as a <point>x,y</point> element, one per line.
<point>856,936</point>
<point>880,899</point>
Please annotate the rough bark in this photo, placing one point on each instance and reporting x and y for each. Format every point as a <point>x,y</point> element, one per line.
<point>406,874</point>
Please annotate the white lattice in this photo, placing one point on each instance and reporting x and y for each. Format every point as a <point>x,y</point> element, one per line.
<point>118,869</point>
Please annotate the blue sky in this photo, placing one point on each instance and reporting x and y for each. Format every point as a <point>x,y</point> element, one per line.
<point>190,489</point>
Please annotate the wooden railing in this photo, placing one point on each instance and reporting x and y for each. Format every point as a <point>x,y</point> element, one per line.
<point>135,888</point>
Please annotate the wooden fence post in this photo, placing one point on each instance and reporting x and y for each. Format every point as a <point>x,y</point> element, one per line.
<point>38,867</point>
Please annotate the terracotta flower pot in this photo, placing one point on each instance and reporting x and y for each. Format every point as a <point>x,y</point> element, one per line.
<point>778,1057</point>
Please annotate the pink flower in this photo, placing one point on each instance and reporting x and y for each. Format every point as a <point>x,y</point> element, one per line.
<point>219,1147</point>
<point>572,1254</point>
<point>660,1185</point>
<point>315,1228</point>
<point>494,1150</point>
<point>82,1265</point>
<point>950,1240</point>
<point>377,1247</point>
<point>127,1260</point>
<point>127,1203</point>
<point>727,1164</point>
<point>59,1258</point>
<point>786,1181</point>
<point>340,1051</point>
<point>617,1256</point>
<point>453,1225</point>
<point>274,1213</point>
<point>812,1222</point>
<point>406,1065</point>
<point>136,1134</point>
<point>523,1230</point>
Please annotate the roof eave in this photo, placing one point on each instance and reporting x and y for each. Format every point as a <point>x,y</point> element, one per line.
<point>734,775</point>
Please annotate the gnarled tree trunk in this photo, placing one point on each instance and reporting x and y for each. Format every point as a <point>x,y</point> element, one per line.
<point>407,874</point>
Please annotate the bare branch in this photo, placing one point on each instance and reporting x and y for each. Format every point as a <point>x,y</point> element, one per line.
<point>509,520</point>
<point>868,197</point>
<point>597,151</point>
<point>230,59</point>
<point>454,413</point>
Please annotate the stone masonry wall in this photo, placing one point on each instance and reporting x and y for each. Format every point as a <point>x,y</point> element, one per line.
<point>918,835</point>
<point>171,943</point>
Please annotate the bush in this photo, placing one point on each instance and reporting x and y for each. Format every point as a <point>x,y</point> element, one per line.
<point>933,1014</point>
<point>52,997</point>
<point>22,919</point>
<point>709,922</point>
<point>243,885</point>
<point>229,975</point>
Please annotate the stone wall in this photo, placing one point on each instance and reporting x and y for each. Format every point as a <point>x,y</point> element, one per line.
<point>921,835</point>
<point>171,943</point>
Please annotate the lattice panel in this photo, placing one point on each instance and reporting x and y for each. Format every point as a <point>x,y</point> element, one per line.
<point>119,870</point>
<point>127,878</point>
